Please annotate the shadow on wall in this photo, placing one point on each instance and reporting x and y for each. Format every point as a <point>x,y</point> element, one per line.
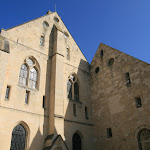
<point>76,123</point>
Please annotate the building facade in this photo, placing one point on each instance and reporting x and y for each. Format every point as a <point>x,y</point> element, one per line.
<point>52,98</point>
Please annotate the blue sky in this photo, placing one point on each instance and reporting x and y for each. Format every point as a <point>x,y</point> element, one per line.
<point>121,24</point>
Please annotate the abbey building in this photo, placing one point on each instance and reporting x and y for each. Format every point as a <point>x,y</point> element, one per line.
<point>51,98</point>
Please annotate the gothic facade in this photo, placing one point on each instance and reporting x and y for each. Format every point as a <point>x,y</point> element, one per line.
<point>51,98</point>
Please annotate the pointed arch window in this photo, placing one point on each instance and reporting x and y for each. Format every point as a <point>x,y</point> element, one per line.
<point>18,140</point>
<point>29,73</point>
<point>76,142</point>
<point>144,139</point>
<point>73,88</point>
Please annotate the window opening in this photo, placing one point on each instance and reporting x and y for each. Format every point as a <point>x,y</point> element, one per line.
<point>74,109</point>
<point>111,62</point>
<point>27,97</point>
<point>101,53</point>
<point>18,140</point>
<point>23,75</point>
<point>109,133</point>
<point>7,92</point>
<point>128,81</point>
<point>56,19</point>
<point>72,88</point>
<point>67,53</point>
<point>33,78</point>
<point>44,102</point>
<point>42,40</point>
<point>138,102</point>
<point>97,70</point>
<point>86,113</point>
<point>144,139</point>
<point>45,24</point>
<point>76,142</point>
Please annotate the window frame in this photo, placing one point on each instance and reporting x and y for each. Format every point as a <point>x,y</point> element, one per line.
<point>8,97</point>
<point>35,65</point>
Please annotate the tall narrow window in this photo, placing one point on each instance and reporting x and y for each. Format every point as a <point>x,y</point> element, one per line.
<point>23,75</point>
<point>101,53</point>
<point>109,133</point>
<point>128,81</point>
<point>73,88</point>
<point>86,113</point>
<point>138,102</point>
<point>44,102</point>
<point>33,78</point>
<point>18,140</point>
<point>76,91</point>
<point>7,92</point>
<point>74,109</point>
<point>68,53</point>
<point>42,40</point>
<point>27,97</point>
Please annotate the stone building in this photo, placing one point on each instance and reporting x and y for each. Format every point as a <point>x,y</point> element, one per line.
<point>51,98</point>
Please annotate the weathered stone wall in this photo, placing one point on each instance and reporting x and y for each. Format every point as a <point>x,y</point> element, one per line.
<point>113,102</point>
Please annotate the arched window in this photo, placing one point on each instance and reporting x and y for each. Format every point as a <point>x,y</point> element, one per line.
<point>73,88</point>
<point>76,142</point>
<point>18,140</point>
<point>144,139</point>
<point>29,73</point>
<point>23,74</point>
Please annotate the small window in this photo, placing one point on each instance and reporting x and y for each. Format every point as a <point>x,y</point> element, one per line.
<point>27,97</point>
<point>68,53</point>
<point>7,92</point>
<point>56,19</point>
<point>74,109</point>
<point>101,53</point>
<point>86,113</point>
<point>66,35</point>
<point>109,133</point>
<point>138,102</point>
<point>45,24</point>
<point>97,70</point>
<point>44,102</point>
<point>42,40</point>
<point>127,76</point>
<point>111,62</point>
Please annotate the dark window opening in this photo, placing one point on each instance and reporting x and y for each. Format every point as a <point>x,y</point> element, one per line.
<point>76,142</point>
<point>44,102</point>
<point>76,91</point>
<point>7,92</point>
<point>97,70</point>
<point>138,102</point>
<point>69,90</point>
<point>128,81</point>
<point>18,139</point>
<point>109,133</point>
<point>27,97</point>
<point>86,113</point>
<point>101,53</point>
<point>74,109</point>
<point>111,62</point>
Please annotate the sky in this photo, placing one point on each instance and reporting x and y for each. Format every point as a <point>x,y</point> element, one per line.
<point>121,24</point>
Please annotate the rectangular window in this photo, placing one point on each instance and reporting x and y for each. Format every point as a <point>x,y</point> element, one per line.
<point>127,76</point>
<point>67,53</point>
<point>44,102</point>
<point>138,102</point>
<point>7,92</point>
<point>86,113</point>
<point>42,40</point>
<point>109,133</point>
<point>74,109</point>
<point>27,97</point>
<point>101,53</point>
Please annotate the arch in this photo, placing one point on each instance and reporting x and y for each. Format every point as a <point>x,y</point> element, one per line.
<point>76,141</point>
<point>32,74</point>
<point>144,139</point>
<point>19,139</point>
